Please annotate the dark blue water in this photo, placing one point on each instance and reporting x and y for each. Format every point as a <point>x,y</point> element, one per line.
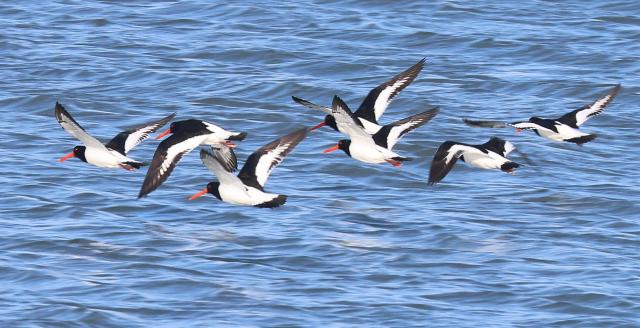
<point>356,245</point>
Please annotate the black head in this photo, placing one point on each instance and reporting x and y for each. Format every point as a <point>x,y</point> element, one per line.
<point>78,151</point>
<point>172,127</point>
<point>212,188</point>
<point>187,125</point>
<point>344,144</point>
<point>183,126</point>
<point>329,120</point>
<point>534,119</point>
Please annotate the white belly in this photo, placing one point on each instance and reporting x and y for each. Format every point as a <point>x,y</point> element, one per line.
<point>564,132</point>
<point>363,155</point>
<point>550,135</point>
<point>370,152</point>
<point>567,132</point>
<point>484,161</point>
<point>243,195</point>
<point>102,158</point>
<point>213,139</point>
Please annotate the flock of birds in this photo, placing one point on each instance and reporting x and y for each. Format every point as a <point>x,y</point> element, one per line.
<point>368,142</point>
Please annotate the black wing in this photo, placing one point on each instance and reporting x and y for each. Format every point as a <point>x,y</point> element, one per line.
<point>124,141</point>
<point>440,166</point>
<point>376,102</point>
<point>484,124</point>
<point>166,157</point>
<point>577,117</point>
<point>258,167</point>
<point>389,134</point>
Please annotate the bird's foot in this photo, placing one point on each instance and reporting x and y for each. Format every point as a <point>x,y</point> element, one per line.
<point>127,167</point>
<point>394,162</point>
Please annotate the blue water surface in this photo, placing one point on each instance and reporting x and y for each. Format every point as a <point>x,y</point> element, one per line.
<point>356,245</point>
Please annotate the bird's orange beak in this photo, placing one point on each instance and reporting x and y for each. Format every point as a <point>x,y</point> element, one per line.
<point>229,144</point>
<point>158,137</point>
<point>318,126</point>
<point>518,130</point>
<point>66,157</point>
<point>328,150</point>
<point>200,193</point>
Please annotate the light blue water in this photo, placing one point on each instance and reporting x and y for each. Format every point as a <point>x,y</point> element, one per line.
<point>356,245</point>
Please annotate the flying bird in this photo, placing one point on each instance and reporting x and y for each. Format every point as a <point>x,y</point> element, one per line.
<point>185,136</point>
<point>376,148</point>
<point>564,128</point>
<point>113,154</point>
<point>376,102</point>
<point>247,188</point>
<point>489,155</point>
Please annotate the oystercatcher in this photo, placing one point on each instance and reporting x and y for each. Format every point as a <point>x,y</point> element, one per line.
<point>489,155</point>
<point>376,102</point>
<point>564,128</point>
<point>113,154</point>
<point>247,188</point>
<point>375,148</point>
<point>185,136</point>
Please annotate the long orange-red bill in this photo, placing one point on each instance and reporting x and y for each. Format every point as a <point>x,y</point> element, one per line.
<point>158,137</point>
<point>328,150</point>
<point>200,193</point>
<point>318,126</point>
<point>229,144</point>
<point>66,157</point>
<point>518,130</point>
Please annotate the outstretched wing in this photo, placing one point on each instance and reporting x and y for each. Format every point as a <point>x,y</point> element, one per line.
<point>73,128</point>
<point>484,124</point>
<point>220,169</point>
<point>529,126</point>
<point>311,105</point>
<point>261,163</point>
<point>389,135</point>
<point>126,140</point>
<point>379,98</point>
<point>446,156</point>
<point>499,146</point>
<point>166,157</point>
<point>577,117</point>
<point>225,156</point>
<point>346,122</point>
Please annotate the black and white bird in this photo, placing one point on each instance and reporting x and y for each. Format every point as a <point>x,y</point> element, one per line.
<point>185,136</point>
<point>376,102</point>
<point>247,188</point>
<point>113,154</point>
<point>565,128</point>
<point>489,155</point>
<point>376,148</point>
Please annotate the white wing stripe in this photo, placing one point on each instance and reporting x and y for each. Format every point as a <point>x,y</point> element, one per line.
<point>395,133</point>
<point>529,126</point>
<point>135,138</point>
<point>180,148</point>
<point>265,167</point>
<point>459,150</point>
<point>384,98</point>
<point>597,107</point>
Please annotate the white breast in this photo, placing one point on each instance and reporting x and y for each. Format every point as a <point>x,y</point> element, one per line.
<point>213,139</point>
<point>102,158</point>
<point>370,153</point>
<point>243,195</point>
<point>567,132</point>
<point>485,161</point>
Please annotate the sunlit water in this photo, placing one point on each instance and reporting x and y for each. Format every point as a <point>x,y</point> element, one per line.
<point>356,245</point>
